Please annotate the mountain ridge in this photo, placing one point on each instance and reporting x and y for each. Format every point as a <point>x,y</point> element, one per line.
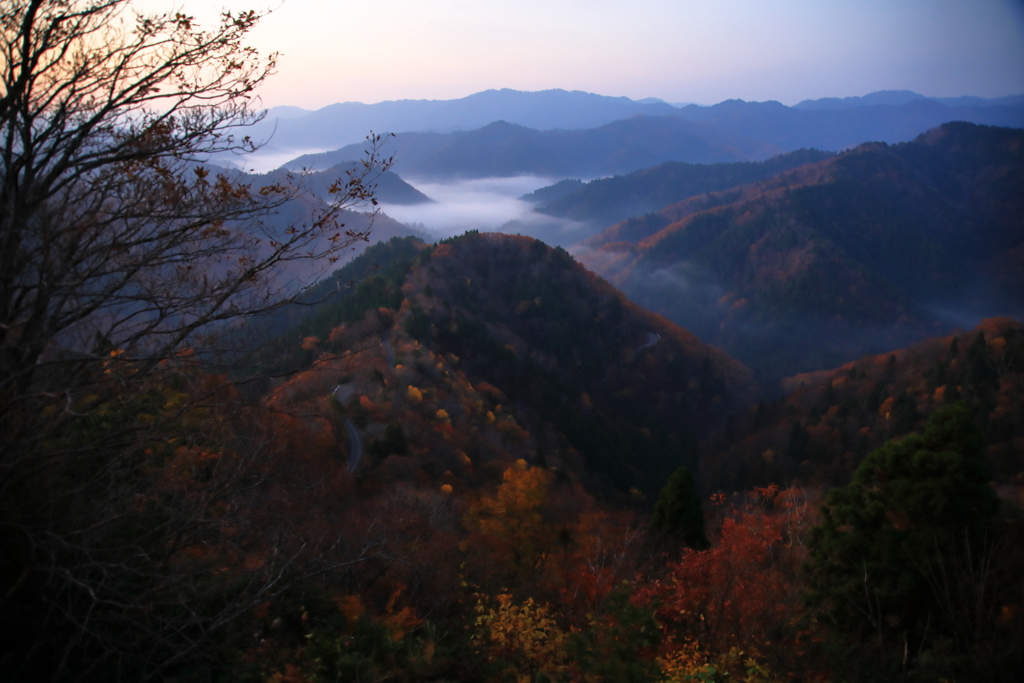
<point>507,149</point>
<point>867,246</point>
<point>829,123</point>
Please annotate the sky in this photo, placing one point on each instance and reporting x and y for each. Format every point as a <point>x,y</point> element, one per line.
<point>678,50</point>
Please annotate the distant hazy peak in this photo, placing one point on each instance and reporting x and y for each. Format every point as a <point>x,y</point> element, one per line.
<point>499,95</point>
<point>883,97</point>
<point>900,97</point>
<point>287,112</point>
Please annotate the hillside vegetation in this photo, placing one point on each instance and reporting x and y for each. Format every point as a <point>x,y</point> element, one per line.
<point>828,421</point>
<point>517,417</point>
<point>589,382</point>
<point>819,265</point>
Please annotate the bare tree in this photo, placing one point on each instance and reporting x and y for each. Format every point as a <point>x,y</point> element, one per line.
<point>119,251</point>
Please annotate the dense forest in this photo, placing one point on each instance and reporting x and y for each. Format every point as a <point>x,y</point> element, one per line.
<point>484,463</point>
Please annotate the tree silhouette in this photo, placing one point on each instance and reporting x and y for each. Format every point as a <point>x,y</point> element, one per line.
<point>915,508</point>
<point>677,513</point>
<point>121,258</point>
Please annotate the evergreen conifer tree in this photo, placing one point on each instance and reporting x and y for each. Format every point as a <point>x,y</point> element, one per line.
<point>677,514</point>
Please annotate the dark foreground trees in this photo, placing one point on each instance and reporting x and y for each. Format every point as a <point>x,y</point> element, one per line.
<point>915,563</point>
<point>120,254</point>
<point>677,513</point>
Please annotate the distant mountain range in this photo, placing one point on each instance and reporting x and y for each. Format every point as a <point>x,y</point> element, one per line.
<point>488,347</point>
<point>312,200</point>
<point>800,262</point>
<point>838,128</point>
<point>897,97</point>
<point>829,123</point>
<point>507,149</point>
<point>345,123</point>
<point>572,134</point>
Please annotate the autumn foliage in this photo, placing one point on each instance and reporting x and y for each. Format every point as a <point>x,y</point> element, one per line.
<point>739,596</point>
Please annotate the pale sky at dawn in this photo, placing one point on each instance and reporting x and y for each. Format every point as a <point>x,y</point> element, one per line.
<point>678,50</point>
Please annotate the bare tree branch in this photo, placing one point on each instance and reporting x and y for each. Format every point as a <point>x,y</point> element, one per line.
<point>136,509</point>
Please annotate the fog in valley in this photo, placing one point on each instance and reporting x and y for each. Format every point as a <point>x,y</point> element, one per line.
<point>485,204</point>
<point>263,160</point>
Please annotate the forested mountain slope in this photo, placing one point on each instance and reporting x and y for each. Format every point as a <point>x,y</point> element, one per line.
<point>816,266</point>
<point>606,201</point>
<point>829,420</point>
<point>579,378</point>
<point>500,394</point>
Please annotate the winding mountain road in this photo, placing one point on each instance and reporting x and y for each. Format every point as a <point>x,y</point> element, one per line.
<point>355,442</point>
<point>387,348</point>
<point>652,339</point>
<point>355,445</point>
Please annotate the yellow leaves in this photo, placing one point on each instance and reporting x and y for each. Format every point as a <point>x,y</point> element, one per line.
<point>414,394</point>
<point>446,489</point>
<point>489,417</point>
<point>214,230</point>
<point>684,663</point>
<point>525,635</point>
<point>524,487</point>
<point>442,416</point>
<point>689,662</point>
<point>513,519</point>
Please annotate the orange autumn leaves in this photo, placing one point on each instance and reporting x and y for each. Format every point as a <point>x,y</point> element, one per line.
<point>738,604</point>
<point>733,608</point>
